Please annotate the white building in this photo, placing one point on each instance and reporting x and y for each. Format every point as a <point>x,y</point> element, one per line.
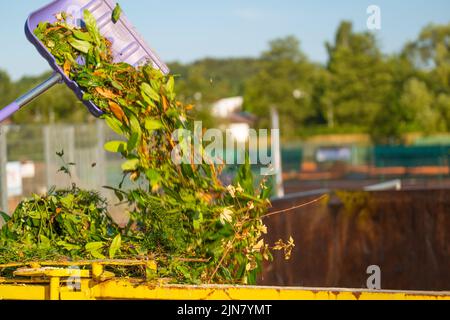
<point>229,112</point>
<point>226,107</point>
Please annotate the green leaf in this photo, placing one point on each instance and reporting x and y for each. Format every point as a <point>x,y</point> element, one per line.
<point>198,221</point>
<point>119,193</point>
<point>91,26</point>
<point>69,228</point>
<point>80,35</point>
<point>266,193</point>
<point>96,254</point>
<point>150,273</point>
<point>116,13</point>
<point>116,85</point>
<point>136,132</point>
<point>67,201</point>
<point>150,92</point>
<point>115,246</point>
<point>115,146</point>
<point>184,271</point>
<point>5,217</point>
<point>68,246</point>
<point>133,141</point>
<point>149,101</point>
<point>155,84</point>
<point>40,30</point>
<point>80,45</point>
<point>130,165</point>
<point>152,124</point>
<point>245,177</point>
<point>134,125</point>
<point>44,242</point>
<point>153,176</point>
<point>91,246</point>
<point>115,125</point>
<point>251,277</point>
<point>170,86</point>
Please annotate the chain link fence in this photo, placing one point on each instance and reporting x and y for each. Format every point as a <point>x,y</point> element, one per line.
<point>29,162</point>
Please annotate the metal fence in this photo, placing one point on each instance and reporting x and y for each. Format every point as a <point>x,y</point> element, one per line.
<point>29,162</point>
<point>366,159</point>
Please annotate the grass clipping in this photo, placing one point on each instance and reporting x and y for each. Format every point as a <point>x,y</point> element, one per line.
<point>182,216</point>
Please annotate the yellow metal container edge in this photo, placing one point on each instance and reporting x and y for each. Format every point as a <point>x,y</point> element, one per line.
<point>60,283</point>
<point>127,289</point>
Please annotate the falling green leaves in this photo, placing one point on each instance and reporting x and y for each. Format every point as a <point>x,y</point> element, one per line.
<point>117,12</point>
<point>178,213</point>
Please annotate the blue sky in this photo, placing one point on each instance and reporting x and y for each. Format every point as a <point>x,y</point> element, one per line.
<point>188,30</point>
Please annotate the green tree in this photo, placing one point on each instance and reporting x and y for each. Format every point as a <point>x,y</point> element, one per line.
<point>359,79</point>
<point>393,120</point>
<point>442,104</point>
<point>5,89</point>
<point>417,101</point>
<point>430,53</point>
<point>59,104</point>
<point>208,80</point>
<point>285,81</point>
<point>284,49</point>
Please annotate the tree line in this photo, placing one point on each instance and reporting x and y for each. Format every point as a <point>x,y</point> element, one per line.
<point>359,89</point>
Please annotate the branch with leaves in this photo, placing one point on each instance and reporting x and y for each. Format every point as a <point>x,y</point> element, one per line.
<point>197,229</point>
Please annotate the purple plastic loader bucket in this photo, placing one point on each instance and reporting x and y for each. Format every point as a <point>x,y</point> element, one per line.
<point>127,45</point>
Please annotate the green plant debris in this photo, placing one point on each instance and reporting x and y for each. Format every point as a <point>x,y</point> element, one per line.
<point>196,229</point>
<point>117,12</point>
<point>62,224</point>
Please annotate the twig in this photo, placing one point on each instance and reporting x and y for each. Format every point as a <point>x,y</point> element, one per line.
<point>229,247</point>
<point>193,260</point>
<point>295,207</point>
